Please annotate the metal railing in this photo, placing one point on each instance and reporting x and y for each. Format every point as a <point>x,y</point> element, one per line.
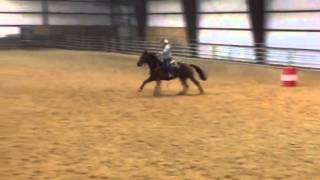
<point>248,54</point>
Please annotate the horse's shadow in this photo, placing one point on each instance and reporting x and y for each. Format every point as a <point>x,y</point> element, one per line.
<point>167,95</point>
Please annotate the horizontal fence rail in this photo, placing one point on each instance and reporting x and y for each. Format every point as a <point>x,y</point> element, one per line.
<point>248,54</point>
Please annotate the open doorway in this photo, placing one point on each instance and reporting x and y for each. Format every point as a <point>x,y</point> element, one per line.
<point>7,32</point>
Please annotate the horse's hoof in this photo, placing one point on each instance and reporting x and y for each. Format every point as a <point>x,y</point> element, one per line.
<point>140,90</point>
<point>156,94</point>
<point>181,93</point>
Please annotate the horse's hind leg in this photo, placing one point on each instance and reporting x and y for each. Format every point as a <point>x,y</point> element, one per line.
<point>185,86</point>
<point>196,82</point>
<point>157,89</point>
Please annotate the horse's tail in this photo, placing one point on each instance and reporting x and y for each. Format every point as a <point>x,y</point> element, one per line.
<point>201,73</point>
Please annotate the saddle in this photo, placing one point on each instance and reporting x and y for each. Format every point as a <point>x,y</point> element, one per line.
<point>173,67</point>
<point>174,64</point>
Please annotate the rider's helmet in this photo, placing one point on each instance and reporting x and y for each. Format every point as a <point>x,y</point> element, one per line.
<point>165,41</point>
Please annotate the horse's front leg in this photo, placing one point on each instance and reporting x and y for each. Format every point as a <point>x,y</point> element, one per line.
<point>157,89</point>
<point>145,82</point>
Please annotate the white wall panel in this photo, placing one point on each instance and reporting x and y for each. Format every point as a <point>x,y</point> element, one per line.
<point>166,21</point>
<point>20,19</point>
<point>305,40</point>
<point>226,37</point>
<point>20,6</point>
<point>164,6</point>
<point>224,21</point>
<point>5,31</point>
<point>293,20</point>
<point>292,4</point>
<point>79,20</point>
<point>300,58</point>
<point>222,5</point>
<point>226,52</point>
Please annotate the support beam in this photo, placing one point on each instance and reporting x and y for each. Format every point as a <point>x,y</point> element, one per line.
<point>141,16</point>
<point>114,7</point>
<point>45,10</point>
<point>190,14</point>
<point>121,28</point>
<point>257,16</point>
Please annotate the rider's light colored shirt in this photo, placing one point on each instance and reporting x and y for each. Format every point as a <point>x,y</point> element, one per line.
<point>166,52</point>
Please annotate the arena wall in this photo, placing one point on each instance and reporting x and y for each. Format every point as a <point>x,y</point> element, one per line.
<point>177,35</point>
<point>72,30</point>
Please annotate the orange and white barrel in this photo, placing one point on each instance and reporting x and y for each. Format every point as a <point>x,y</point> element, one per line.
<point>289,77</point>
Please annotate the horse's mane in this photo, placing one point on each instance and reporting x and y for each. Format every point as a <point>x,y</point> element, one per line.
<point>154,57</point>
<point>153,54</point>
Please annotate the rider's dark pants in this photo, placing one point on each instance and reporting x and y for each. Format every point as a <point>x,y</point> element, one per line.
<point>167,66</point>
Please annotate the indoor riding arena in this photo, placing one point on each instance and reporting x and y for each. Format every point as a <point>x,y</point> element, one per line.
<point>71,109</point>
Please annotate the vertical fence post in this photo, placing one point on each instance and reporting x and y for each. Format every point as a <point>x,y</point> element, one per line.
<point>230,53</point>
<point>291,58</point>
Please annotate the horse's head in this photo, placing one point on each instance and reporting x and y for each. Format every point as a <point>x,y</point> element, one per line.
<point>143,58</point>
<point>147,58</point>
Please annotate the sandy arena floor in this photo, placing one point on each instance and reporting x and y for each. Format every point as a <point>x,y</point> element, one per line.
<point>77,115</point>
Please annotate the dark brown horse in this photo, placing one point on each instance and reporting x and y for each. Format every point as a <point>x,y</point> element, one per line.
<point>183,71</point>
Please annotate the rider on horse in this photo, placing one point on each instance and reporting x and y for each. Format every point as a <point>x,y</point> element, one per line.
<point>167,57</point>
